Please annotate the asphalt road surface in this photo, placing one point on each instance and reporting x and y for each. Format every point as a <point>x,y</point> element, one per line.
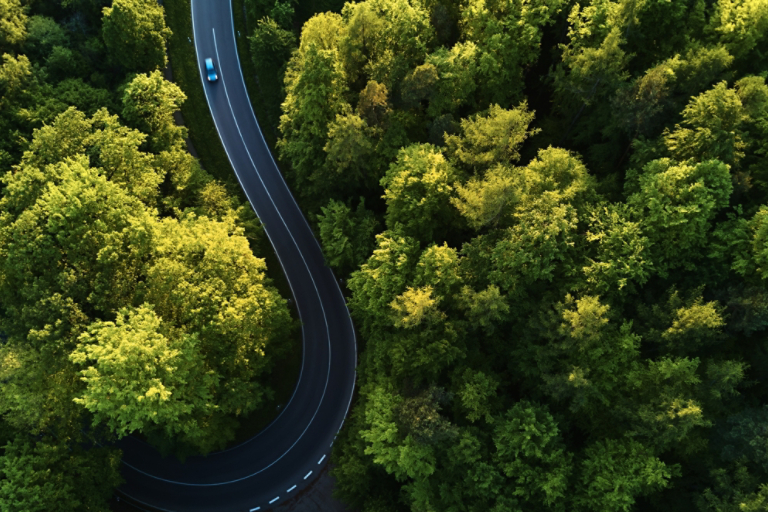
<point>285,457</point>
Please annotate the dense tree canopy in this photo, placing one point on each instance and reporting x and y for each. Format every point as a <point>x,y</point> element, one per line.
<point>131,300</point>
<point>135,34</point>
<point>566,309</point>
<point>551,218</point>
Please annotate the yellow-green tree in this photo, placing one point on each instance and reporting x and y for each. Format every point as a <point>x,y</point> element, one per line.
<point>135,34</point>
<point>418,188</point>
<point>13,23</point>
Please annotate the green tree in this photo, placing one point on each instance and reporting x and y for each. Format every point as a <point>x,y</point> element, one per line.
<point>534,249</point>
<point>418,188</point>
<point>663,30</point>
<point>675,205</point>
<point>593,63</point>
<point>735,489</point>
<point>271,45</point>
<point>315,87</point>
<point>745,436</point>
<point>640,103</point>
<point>81,243</point>
<point>476,394</point>
<point>50,475</point>
<point>115,150</point>
<point>753,260</point>
<point>712,122</point>
<point>412,460</point>
<point>667,413</point>
<point>205,280</point>
<point>135,34</point>
<point>616,472</point>
<point>489,200</point>
<point>555,175</point>
<point>683,323</point>
<point>62,63</point>
<point>13,74</point>
<point>384,40</point>
<point>457,71</point>
<point>13,23</point>
<point>589,357</point>
<point>493,138</point>
<point>373,104</point>
<point>137,376</point>
<point>84,97</point>
<point>149,102</point>
<point>43,34</point>
<point>698,68</point>
<point>620,256</point>
<point>485,309</point>
<point>508,35</point>
<point>740,25</point>
<point>382,278</point>
<point>697,324</point>
<point>111,148</point>
<point>419,85</point>
<point>349,149</point>
<point>347,236</point>
<point>39,386</point>
<point>282,12</point>
<point>322,30</point>
<point>531,453</point>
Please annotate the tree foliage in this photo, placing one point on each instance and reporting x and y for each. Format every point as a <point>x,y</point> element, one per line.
<point>346,235</point>
<point>135,33</point>
<point>566,310</point>
<point>13,22</point>
<point>109,232</point>
<point>47,475</point>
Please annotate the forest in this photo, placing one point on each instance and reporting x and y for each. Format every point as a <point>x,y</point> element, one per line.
<point>132,300</point>
<point>553,221</point>
<point>550,216</point>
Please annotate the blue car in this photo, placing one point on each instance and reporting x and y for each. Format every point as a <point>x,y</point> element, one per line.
<point>209,67</point>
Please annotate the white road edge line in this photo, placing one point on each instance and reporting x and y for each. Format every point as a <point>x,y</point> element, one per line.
<point>312,277</point>
<point>307,475</point>
<point>321,459</point>
<point>274,500</point>
<point>325,318</point>
<point>292,488</point>
<point>338,289</point>
<point>306,222</point>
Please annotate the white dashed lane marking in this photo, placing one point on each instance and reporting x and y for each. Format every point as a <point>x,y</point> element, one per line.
<point>321,459</point>
<point>307,475</point>
<point>255,509</point>
<point>274,500</point>
<point>292,488</point>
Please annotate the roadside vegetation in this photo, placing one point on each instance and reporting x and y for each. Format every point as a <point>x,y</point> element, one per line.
<point>202,132</point>
<point>197,117</point>
<point>268,31</point>
<point>131,300</point>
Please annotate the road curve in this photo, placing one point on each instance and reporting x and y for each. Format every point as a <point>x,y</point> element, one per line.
<point>289,453</point>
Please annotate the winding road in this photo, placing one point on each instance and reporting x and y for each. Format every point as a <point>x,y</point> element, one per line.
<point>287,455</point>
